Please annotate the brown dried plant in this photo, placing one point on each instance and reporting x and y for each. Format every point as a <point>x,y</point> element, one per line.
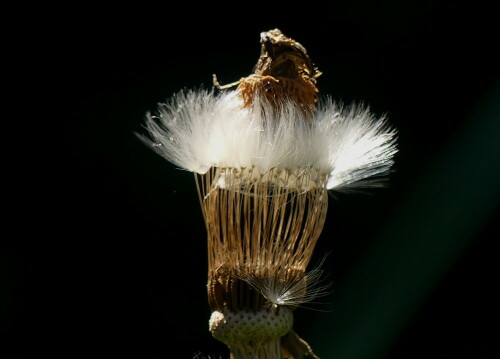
<point>264,157</point>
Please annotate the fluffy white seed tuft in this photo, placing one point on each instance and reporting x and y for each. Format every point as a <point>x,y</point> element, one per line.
<point>198,130</point>
<point>282,291</point>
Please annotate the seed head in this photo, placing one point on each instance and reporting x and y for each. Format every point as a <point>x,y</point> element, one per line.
<point>265,155</point>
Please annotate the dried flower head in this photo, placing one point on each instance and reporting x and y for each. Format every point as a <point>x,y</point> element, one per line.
<point>264,156</point>
<point>284,72</point>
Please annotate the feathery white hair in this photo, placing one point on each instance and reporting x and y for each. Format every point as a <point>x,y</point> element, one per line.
<point>197,130</point>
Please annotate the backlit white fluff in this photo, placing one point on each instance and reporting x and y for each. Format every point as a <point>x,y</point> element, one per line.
<point>198,130</point>
<point>280,291</point>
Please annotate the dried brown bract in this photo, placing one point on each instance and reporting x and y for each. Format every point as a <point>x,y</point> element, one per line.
<point>284,72</point>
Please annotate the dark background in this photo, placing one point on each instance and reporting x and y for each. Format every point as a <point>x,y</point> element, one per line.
<point>108,253</point>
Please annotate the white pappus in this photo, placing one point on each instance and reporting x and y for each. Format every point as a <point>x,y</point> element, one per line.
<point>197,130</point>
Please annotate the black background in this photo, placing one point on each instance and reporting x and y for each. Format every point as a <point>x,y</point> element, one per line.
<point>108,253</point>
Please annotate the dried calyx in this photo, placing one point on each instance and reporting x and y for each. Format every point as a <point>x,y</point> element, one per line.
<point>260,241</point>
<point>283,73</point>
